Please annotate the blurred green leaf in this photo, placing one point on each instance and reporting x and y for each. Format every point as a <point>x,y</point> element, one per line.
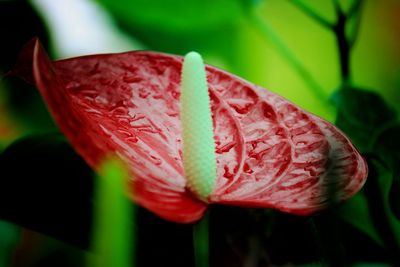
<point>387,146</point>
<point>361,115</point>
<point>394,194</point>
<point>365,116</point>
<point>363,108</point>
<point>377,190</point>
<point>10,235</point>
<point>175,15</point>
<point>27,107</point>
<point>371,264</point>
<point>355,212</point>
<point>212,28</point>
<point>45,186</point>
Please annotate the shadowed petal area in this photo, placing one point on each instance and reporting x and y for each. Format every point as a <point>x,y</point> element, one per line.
<point>269,152</point>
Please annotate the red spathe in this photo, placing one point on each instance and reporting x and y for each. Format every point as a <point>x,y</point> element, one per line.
<point>270,153</point>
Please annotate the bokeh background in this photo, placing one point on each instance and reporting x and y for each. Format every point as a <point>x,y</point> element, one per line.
<point>337,59</point>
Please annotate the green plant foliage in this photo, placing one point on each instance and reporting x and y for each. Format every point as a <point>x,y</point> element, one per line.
<point>356,213</point>
<point>377,191</point>
<point>361,114</point>
<point>366,118</point>
<point>25,103</point>
<point>9,234</point>
<point>46,187</point>
<point>112,230</point>
<point>175,15</point>
<point>40,172</point>
<point>387,146</point>
<point>212,28</point>
<point>394,193</point>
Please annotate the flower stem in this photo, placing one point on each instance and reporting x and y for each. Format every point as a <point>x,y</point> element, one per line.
<point>113,231</point>
<point>201,242</point>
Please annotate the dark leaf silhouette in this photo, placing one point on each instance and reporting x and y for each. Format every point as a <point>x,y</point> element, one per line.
<point>47,187</point>
<point>387,146</point>
<point>361,114</point>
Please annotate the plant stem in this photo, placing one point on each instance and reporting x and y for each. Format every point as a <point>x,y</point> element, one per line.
<point>269,34</point>
<point>355,10</point>
<point>312,14</point>
<point>201,242</point>
<point>343,46</point>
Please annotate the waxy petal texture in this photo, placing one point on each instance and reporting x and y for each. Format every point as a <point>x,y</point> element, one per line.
<point>269,152</point>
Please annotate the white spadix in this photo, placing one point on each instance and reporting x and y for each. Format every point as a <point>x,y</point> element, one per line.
<point>198,138</point>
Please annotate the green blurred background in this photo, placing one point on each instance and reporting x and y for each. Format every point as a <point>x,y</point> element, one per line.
<point>286,46</point>
<point>223,33</point>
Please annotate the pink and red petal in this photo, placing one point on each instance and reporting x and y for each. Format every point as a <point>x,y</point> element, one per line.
<point>94,105</point>
<point>272,154</point>
<point>269,152</point>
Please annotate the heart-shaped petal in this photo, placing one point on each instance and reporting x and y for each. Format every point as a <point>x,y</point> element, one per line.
<point>269,152</point>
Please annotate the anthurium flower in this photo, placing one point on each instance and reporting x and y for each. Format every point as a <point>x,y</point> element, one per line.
<point>269,153</point>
